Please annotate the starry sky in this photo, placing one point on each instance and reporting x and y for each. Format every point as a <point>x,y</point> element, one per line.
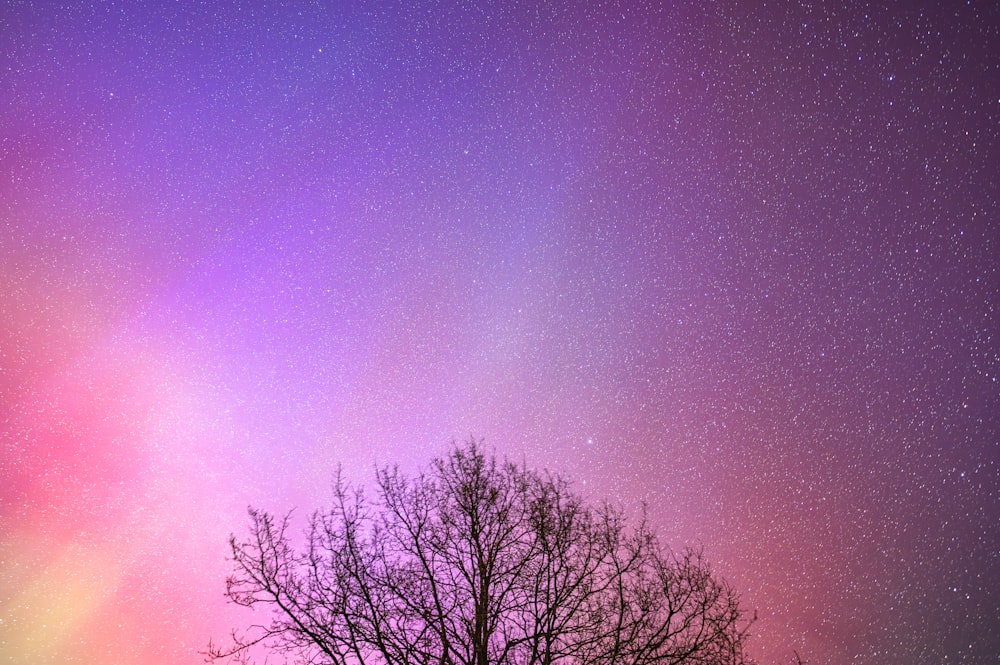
<point>737,261</point>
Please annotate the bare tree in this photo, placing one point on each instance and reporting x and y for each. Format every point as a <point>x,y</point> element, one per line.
<point>477,561</point>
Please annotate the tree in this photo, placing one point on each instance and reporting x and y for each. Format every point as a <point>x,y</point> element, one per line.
<point>477,561</point>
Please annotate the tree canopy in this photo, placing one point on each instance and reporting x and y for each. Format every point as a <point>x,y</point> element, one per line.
<point>477,561</point>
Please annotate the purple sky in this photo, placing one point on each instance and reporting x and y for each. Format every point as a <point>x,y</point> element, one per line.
<point>738,262</point>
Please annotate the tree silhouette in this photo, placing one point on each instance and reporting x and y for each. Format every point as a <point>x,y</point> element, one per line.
<point>477,561</point>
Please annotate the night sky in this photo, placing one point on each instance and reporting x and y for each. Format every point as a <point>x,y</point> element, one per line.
<point>739,262</point>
